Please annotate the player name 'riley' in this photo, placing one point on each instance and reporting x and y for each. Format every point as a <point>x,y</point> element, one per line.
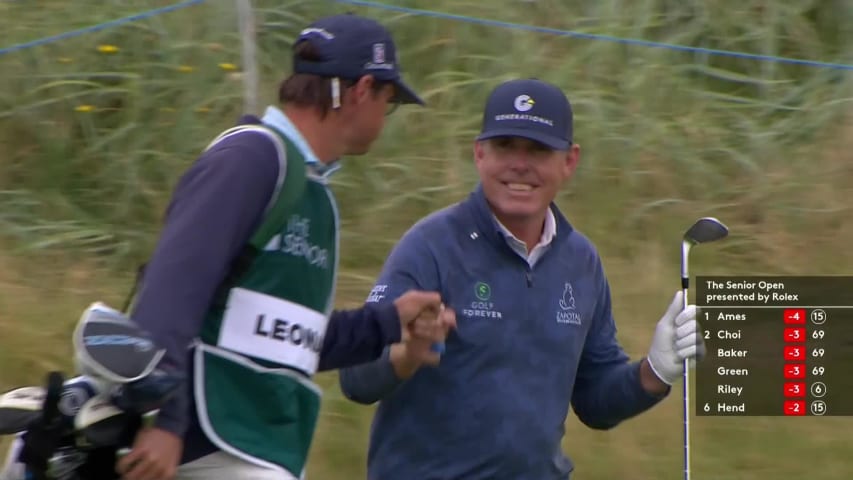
<point>729,390</point>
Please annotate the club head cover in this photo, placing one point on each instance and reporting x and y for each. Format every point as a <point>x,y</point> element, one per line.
<point>111,349</point>
<point>19,408</point>
<point>147,394</point>
<point>99,423</point>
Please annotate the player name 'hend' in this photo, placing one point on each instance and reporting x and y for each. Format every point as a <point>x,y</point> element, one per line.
<point>729,408</point>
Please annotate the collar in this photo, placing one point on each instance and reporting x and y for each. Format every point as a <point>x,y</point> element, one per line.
<point>275,118</point>
<point>549,231</point>
<point>488,226</point>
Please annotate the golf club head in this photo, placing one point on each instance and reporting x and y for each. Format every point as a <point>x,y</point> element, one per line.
<point>19,408</point>
<point>100,423</point>
<point>704,230</point>
<point>111,349</point>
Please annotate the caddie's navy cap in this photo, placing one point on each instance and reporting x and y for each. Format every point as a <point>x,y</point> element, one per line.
<point>351,46</point>
<point>529,108</point>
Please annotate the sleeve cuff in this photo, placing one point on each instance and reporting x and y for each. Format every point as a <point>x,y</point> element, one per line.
<point>389,322</point>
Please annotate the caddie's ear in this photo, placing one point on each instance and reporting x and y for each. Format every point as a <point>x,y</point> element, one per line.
<point>361,90</point>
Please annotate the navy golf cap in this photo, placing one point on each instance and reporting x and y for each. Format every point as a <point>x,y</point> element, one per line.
<point>350,47</point>
<point>529,108</point>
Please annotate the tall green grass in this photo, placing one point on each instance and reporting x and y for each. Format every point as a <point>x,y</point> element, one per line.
<point>95,131</point>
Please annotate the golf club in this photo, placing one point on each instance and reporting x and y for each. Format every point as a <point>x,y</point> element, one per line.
<point>705,230</point>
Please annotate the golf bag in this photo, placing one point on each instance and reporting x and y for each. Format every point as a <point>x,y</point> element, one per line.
<point>75,429</point>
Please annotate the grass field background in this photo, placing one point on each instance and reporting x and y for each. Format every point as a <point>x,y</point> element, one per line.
<point>96,129</point>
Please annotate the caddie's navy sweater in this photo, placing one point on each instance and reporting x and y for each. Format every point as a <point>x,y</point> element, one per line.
<point>529,342</point>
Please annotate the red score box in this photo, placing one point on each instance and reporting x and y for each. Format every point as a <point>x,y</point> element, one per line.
<point>795,389</point>
<point>795,370</point>
<point>794,352</point>
<point>794,315</point>
<point>794,407</point>
<point>795,334</point>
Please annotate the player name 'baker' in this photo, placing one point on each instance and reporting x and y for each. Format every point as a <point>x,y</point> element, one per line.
<point>732,353</point>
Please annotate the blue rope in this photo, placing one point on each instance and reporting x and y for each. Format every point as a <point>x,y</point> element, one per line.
<point>101,26</point>
<point>450,16</point>
<point>591,36</point>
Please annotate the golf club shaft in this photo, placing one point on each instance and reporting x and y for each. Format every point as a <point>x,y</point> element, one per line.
<point>686,396</point>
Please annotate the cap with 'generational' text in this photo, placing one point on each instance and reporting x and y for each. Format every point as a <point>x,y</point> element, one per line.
<point>529,108</point>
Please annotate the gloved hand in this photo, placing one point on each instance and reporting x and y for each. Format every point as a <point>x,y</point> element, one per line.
<point>676,338</point>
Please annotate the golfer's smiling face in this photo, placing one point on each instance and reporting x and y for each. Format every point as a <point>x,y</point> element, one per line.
<point>521,177</point>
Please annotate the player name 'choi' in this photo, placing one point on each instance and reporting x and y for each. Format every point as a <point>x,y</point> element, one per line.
<point>729,390</point>
<point>729,408</point>
<point>731,353</point>
<point>727,335</point>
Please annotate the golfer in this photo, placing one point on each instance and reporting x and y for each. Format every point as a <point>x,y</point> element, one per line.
<point>535,332</point>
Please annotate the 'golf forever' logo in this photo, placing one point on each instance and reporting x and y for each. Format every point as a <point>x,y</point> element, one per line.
<point>482,307</point>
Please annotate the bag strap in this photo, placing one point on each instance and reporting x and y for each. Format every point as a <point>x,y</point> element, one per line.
<point>288,190</point>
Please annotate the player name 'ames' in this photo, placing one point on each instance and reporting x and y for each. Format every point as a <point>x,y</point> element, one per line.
<point>728,317</point>
<point>729,408</point>
<point>729,390</point>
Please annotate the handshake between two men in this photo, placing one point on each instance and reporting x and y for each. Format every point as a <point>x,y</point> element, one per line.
<point>425,322</point>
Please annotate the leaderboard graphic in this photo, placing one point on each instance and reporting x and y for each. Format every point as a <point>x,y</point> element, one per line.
<point>776,346</point>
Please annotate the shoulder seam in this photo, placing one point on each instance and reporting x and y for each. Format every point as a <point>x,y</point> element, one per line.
<point>277,143</point>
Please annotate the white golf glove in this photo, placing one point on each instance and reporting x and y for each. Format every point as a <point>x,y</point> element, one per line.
<point>675,340</point>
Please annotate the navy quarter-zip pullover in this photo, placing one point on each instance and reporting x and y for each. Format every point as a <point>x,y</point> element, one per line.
<point>530,341</point>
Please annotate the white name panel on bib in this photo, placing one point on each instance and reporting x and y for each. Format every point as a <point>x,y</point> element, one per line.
<point>273,329</point>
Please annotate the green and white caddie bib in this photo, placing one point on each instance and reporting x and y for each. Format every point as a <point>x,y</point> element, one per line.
<point>261,341</point>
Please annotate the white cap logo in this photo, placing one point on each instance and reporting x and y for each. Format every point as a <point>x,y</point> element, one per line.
<point>523,103</point>
<point>378,53</point>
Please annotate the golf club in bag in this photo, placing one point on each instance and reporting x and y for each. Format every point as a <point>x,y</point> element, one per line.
<point>704,230</point>
<point>74,429</point>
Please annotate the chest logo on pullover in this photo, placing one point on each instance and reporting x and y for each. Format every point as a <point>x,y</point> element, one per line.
<point>296,241</point>
<point>482,307</point>
<point>567,312</point>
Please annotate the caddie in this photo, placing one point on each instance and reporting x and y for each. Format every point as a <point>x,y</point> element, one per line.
<point>252,324</point>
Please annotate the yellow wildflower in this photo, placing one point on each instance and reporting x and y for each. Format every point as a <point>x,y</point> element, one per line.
<point>228,67</point>
<point>84,108</point>
<point>185,68</point>
<point>107,48</point>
